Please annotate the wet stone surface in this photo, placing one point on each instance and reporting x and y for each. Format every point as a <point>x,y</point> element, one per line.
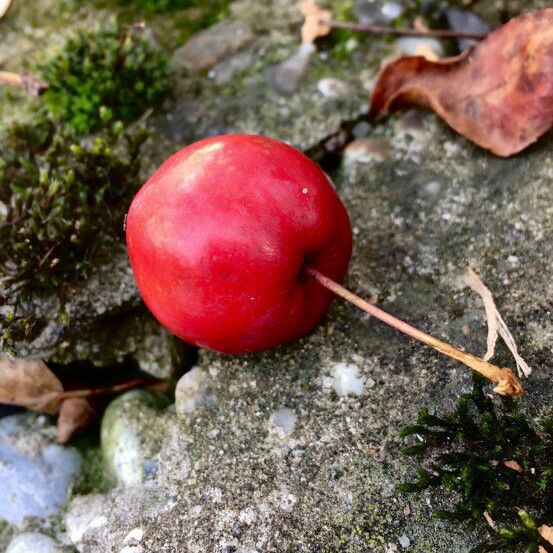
<point>300,450</point>
<point>297,449</point>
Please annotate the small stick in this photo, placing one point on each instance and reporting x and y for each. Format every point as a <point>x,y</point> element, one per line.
<point>137,383</point>
<point>381,30</point>
<point>31,84</point>
<point>505,380</point>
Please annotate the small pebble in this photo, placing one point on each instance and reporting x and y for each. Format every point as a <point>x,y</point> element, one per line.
<point>333,88</point>
<point>404,541</point>
<point>33,542</point>
<point>347,380</point>
<point>283,421</point>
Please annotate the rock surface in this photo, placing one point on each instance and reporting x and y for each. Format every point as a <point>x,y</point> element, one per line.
<point>208,47</point>
<point>300,450</point>
<point>33,542</point>
<point>36,473</point>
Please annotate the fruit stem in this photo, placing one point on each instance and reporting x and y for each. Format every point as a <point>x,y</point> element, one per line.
<point>381,30</point>
<point>505,380</point>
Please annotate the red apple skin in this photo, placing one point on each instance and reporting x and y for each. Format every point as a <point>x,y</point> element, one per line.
<point>218,238</point>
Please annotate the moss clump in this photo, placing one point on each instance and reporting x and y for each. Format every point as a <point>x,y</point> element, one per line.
<point>466,451</point>
<point>63,198</point>
<point>119,68</point>
<point>164,5</point>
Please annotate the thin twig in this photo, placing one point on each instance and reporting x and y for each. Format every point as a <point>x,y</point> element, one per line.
<point>381,30</point>
<point>27,82</point>
<point>505,380</point>
<point>108,390</point>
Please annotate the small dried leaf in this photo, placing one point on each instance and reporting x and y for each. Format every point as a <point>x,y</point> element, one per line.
<point>29,383</point>
<point>496,324</point>
<point>76,413</point>
<point>513,465</point>
<point>4,6</point>
<point>546,532</point>
<point>499,94</point>
<point>315,24</point>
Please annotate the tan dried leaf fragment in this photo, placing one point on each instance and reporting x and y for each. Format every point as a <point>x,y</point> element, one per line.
<point>546,532</point>
<point>315,24</point>
<point>4,7</point>
<point>513,465</point>
<point>75,413</point>
<point>29,383</point>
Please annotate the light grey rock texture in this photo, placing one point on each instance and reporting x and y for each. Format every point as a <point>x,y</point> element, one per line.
<point>36,473</point>
<point>33,542</point>
<point>237,474</point>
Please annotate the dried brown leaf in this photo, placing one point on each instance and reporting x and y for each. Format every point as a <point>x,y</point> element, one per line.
<point>499,94</point>
<point>315,24</point>
<point>76,413</point>
<point>546,532</point>
<point>29,383</point>
<point>513,465</point>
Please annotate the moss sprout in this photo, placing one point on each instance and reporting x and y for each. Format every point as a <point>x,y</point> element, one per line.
<point>496,464</point>
<point>120,68</point>
<point>63,198</point>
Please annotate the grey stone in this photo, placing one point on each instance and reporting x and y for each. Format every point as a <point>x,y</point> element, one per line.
<point>211,45</point>
<point>377,12</point>
<point>33,542</point>
<point>366,150</point>
<point>410,46</point>
<point>253,100</point>
<point>460,20</point>
<point>286,77</point>
<point>239,478</point>
<point>127,437</point>
<point>36,473</point>
<point>107,324</point>
<point>192,391</point>
<point>333,88</point>
<point>230,68</point>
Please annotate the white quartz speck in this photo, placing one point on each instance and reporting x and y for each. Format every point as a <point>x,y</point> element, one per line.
<point>283,421</point>
<point>347,380</point>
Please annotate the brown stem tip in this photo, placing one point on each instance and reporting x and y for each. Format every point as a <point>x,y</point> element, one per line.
<point>507,383</point>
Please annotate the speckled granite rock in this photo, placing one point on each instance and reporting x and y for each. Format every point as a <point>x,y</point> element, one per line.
<point>107,324</point>
<point>298,449</point>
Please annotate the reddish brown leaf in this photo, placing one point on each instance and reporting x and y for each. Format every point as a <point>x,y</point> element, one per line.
<point>76,413</point>
<point>29,383</point>
<point>499,94</point>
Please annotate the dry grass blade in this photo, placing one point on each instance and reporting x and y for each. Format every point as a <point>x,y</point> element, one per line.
<point>29,383</point>
<point>496,324</point>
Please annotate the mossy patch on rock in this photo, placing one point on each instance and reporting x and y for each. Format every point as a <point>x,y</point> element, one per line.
<point>116,67</point>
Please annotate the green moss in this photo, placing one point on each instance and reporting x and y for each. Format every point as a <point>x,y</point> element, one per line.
<point>119,68</point>
<point>465,453</point>
<point>64,201</point>
<point>363,528</point>
<point>91,478</point>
